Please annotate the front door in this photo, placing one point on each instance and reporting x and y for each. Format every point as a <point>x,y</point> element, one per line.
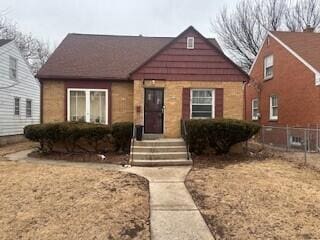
<point>153,110</point>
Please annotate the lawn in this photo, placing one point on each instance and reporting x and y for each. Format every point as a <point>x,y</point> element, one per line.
<point>243,198</point>
<point>40,201</point>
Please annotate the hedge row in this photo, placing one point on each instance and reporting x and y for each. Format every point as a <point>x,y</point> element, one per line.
<point>219,134</point>
<point>79,136</point>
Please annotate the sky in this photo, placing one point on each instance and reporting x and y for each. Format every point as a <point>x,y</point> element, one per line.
<point>51,20</point>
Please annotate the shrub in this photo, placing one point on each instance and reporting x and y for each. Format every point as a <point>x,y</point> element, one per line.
<point>122,134</point>
<point>69,135</point>
<point>219,134</point>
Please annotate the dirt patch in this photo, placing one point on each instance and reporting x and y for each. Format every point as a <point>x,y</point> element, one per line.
<point>112,157</point>
<point>244,198</point>
<point>40,201</point>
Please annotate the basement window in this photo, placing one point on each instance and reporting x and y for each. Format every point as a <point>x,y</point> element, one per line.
<point>190,42</point>
<point>296,141</point>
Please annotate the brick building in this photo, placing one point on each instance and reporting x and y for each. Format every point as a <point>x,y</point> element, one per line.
<point>153,81</point>
<point>284,87</point>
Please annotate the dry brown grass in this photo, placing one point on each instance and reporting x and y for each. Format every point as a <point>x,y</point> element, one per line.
<point>41,201</point>
<point>257,199</point>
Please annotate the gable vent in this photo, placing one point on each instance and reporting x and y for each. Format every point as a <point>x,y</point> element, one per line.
<point>190,42</point>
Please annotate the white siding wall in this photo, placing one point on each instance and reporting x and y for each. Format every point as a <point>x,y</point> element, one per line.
<point>25,87</point>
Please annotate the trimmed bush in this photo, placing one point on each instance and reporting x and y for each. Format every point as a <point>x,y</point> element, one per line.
<point>122,134</point>
<point>69,135</point>
<point>219,134</point>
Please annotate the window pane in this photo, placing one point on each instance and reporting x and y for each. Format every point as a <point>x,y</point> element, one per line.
<point>98,107</point>
<point>29,108</point>
<point>77,105</point>
<point>275,111</point>
<point>16,106</point>
<point>201,115</point>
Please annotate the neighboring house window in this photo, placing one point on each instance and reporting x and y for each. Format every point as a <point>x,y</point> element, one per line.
<point>29,108</point>
<point>12,68</point>
<point>190,42</point>
<point>268,67</point>
<point>88,105</point>
<point>16,106</point>
<point>202,103</point>
<point>274,108</point>
<point>255,109</point>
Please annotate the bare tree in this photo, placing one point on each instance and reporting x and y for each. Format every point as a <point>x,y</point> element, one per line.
<point>303,14</point>
<point>35,51</point>
<point>243,30</point>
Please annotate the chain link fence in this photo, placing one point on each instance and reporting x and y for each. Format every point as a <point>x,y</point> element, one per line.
<point>303,140</point>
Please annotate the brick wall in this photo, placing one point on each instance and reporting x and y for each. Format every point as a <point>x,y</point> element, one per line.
<point>53,101</point>
<point>293,83</point>
<point>122,101</point>
<point>233,100</point>
<point>54,98</point>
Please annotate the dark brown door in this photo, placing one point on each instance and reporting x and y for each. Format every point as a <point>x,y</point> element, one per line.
<point>153,110</point>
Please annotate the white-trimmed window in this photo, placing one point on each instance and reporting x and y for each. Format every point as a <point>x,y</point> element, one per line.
<point>295,140</point>
<point>12,68</point>
<point>16,106</point>
<point>28,108</point>
<point>190,42</point>
<point>202,103</point>
<point>274,107</point>
<point>255,109</point>
<point>88,105</point>
<point>268,67</point>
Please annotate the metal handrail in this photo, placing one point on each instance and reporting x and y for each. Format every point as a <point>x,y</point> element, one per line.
<point>132,143</point>
<point>184,133</point>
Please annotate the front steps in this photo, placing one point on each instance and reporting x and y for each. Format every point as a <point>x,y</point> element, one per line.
<point>161,152</point>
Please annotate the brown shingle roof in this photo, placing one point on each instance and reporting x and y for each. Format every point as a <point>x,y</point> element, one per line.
<point>101,56</point>
<point>305,44</point>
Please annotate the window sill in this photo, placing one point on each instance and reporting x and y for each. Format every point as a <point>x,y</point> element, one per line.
<point>273,120</point>
<point>267,78</point>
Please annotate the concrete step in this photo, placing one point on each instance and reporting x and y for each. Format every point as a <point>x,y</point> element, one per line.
<point>160,143</point>
<point>153,163</point>
<point>150,149</point>
<point>159,155</point>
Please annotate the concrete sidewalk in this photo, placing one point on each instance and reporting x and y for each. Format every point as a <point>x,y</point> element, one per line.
<point>174,215</point>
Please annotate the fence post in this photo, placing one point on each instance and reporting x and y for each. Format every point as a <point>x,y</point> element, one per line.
<point>317,138</point>
<point>309,138</point>
<point>262,133</point>
<point>288,141</point>
<point>305,146</point>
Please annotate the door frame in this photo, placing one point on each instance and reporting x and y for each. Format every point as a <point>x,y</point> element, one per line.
<point>144,109</point>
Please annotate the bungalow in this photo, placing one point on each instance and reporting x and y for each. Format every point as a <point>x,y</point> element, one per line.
<point>153,81</point>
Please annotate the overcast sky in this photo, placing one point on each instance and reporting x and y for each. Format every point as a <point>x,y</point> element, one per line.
<point>51,20</point>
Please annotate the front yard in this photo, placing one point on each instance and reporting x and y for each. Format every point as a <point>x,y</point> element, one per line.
<point>40,201</point>
<point>266,199</point>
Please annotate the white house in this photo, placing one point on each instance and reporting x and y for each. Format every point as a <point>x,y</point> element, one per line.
<point>19,92</point>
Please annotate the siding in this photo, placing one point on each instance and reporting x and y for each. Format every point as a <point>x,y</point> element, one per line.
<point>203,63</point>
<point>26,87</point>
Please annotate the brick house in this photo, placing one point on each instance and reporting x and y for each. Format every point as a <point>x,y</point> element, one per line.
<point>285,80</point>
<point>154,81</point>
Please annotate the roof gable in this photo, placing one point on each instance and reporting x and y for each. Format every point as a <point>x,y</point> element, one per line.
<point>175,62</point>
<point>304,46</point>
<point>87,56</point>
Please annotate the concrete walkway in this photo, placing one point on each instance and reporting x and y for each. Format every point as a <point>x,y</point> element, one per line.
<point>174,215</point>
